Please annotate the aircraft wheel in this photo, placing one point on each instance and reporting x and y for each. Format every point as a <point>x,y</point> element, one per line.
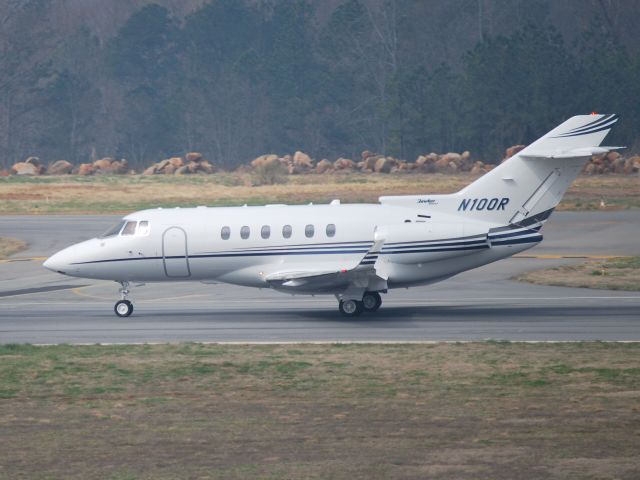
<point>371,301</point>
<point>123,308</point>
<point>350,308</point>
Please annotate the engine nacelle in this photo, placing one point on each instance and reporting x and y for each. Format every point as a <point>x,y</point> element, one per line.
<point>427,242</point>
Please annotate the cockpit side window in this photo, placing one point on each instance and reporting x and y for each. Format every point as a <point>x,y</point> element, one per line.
<point>143,228</point>
<point>113,231</point>
<point>129,228</point>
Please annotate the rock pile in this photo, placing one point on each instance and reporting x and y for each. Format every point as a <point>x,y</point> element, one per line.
<point>299,163</point>
<point>374,163</point>
<point>612,162</point>
<point>193,162</point>
<point>302,163</point>
<point>104,166</point>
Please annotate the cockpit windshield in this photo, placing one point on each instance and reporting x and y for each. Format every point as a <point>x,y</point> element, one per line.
<point>128,227</point>
<point>113,231</point>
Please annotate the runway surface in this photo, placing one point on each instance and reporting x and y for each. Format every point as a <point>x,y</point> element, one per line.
<point>38,306</point>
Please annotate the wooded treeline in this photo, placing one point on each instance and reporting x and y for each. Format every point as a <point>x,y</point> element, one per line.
<point>235,79</point>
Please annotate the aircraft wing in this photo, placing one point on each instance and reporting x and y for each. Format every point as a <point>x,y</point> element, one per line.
<point>333,277</point>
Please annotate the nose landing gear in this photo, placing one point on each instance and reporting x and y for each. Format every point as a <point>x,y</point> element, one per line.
<point>123,307</point>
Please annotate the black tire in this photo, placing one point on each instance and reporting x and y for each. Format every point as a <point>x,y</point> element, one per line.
<point>123,308</point>
<point>350,308</point>
<point>371,301</point>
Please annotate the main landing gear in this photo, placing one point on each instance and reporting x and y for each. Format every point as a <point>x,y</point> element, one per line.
<point>370,302</point>
<point>123,307</point>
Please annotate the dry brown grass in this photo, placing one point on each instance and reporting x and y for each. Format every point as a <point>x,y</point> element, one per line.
<point>616,274</point>
<point>121,194</point>
<point>480,410</point>
<point>9,246</point>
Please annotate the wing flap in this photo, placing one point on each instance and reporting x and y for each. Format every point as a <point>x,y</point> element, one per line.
<point>359,274</point>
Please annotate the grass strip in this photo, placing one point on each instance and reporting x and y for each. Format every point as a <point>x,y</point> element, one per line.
<point>10,246</point>
<point>126,193</point>
<point>473,410</point>
<point>622,273</point>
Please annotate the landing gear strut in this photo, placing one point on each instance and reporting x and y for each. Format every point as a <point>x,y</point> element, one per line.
<point>123,307</point>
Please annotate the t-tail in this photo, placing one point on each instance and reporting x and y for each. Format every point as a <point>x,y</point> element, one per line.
<point>529,185</point>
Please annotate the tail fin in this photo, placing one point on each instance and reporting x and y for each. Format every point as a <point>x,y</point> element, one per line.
<point>535,179</point>
<point>532,182</point>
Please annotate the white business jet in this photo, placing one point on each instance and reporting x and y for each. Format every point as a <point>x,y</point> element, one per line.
<point>352,251</point>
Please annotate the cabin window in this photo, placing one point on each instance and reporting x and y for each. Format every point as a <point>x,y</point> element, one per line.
<point>113,231</point>
<point>143,228</point>
<point>286,231</point>
<point>225,233</point>
<point>309,231</point>
<point>129,228</point>
<point>331,230</point>
<point>265,231</point>
<point>244,232</point>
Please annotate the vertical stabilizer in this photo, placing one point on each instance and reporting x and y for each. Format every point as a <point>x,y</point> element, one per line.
<point>533,181</point>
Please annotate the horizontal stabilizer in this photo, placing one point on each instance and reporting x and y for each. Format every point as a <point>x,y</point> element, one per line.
<point>573,153</point>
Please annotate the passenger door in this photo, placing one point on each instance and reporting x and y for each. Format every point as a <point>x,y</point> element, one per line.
<point>175,255</point>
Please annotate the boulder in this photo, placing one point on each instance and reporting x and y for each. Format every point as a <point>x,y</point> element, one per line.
<point>344,164</point>
<point>86,169</point>
<point>60,167</point>
<point>613,156</point>
<point>478,168</point>
<point>632,165</point>
<point>301,159</point>
<point>264,160</point>
<point>176,162</point>
<point>162,164</point>
<point>169,169</point>
<point>205,167</point>
<point>119,167</point>
<point>452,157</point>
<point>618,164</point>
<point>441,164</point>
<point>183,170</point>
<point>149,170</point>
<point>193,157</point>
<point>103,164</point>
<point>385,164</point>
<point>366,154</point>
<point>24,168</point>
<point>511,151</point>
<point>324,166</point>
<point>466,156</point>
<point>33,161</point>
<point>192,167</point>
<point>369,163</point>
<point>405,166</point>
<point>421,160</point>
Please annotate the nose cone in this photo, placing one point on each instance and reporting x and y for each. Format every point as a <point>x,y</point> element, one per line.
<point>72,260</point>
<point>58,262</point>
